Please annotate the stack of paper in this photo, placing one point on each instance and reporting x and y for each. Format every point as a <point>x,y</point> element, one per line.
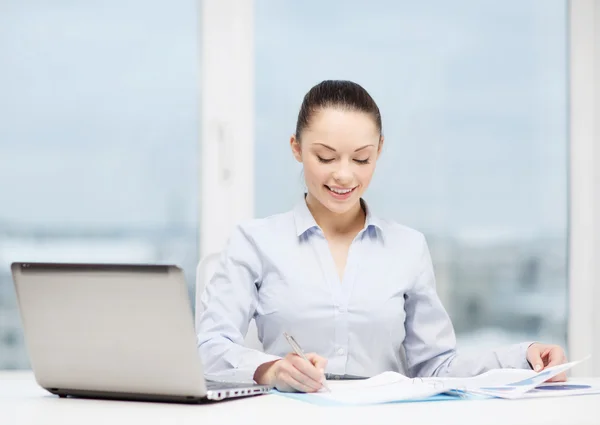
<point>496,383</point>
<point>394,387</point>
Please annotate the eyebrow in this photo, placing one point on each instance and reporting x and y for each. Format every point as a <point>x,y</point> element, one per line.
<point>332,149</point>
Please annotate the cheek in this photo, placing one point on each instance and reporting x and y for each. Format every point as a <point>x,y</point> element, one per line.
<point>365,173</point>
<point>315,173</point>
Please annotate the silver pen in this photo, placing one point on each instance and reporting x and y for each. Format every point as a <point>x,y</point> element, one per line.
<point>298,350</point>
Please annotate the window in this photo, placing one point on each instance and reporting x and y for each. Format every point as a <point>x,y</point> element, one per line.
<point>99,130</point>
<point>98,139</point>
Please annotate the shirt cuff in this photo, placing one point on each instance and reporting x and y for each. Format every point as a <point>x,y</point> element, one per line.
<point>515,356</point>
<point>245,364</point>
<point>251,361</point>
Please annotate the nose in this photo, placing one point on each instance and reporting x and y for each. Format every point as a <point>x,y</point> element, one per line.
<point>343,174</point>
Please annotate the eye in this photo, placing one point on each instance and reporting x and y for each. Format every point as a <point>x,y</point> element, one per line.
<point>362,161</point>
<point>324,160</point>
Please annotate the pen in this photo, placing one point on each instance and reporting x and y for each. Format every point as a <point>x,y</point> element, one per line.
<point>298,350</point>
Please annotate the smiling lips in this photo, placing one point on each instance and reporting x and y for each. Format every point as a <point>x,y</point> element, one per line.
<point>340,192</point>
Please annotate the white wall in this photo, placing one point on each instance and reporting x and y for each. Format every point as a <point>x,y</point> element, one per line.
<point>584,261</point>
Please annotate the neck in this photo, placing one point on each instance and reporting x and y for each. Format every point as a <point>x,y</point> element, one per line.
<point>332,223</point>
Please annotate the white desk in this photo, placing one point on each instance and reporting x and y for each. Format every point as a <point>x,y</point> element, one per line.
<point>23,402</point>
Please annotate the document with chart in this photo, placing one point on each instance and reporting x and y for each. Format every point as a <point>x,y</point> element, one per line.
<point>391,387</point>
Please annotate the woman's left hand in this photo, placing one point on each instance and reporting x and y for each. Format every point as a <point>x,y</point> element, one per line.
<point>541,356</point>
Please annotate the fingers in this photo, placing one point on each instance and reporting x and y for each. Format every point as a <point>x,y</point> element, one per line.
<point>308,370</point>
<point>542,356</point>
<point>296,374</point>
<point>319,362</point>
<point>546,350</point>
<point>286,382</point>
<point>534,356</point>
<point>561,377</point>
<point>556,356</point>
<point>309,384</point>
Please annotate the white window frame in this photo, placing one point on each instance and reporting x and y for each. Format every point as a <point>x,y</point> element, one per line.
<point>227,150</point>
<point>227,120</point>
<point>584,221</point>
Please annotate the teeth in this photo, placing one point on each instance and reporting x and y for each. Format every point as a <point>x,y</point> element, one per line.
<point>340,191</point>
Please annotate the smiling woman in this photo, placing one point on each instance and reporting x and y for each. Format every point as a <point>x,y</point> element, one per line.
<point>338,140</point>
<point>473,100</point>
<point>337,276</point>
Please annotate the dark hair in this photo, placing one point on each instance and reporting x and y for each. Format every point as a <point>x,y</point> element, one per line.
<point>341,94</point>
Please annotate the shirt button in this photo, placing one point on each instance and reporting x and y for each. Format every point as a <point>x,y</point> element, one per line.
<point>340,352</point>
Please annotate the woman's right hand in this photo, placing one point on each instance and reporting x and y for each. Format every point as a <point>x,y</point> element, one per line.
<point>293,373</point>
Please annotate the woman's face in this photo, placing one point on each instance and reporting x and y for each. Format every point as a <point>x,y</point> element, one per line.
<point>338,150</point>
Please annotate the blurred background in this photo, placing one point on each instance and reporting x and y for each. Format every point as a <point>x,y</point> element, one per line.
<point>100,139</point>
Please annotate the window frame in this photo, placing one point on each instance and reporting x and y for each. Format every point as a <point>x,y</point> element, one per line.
<point>584,185</point>
<point>227,120</point>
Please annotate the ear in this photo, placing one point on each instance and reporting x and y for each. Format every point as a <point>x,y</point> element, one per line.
<point>296,148</point>
<point>380,146</point>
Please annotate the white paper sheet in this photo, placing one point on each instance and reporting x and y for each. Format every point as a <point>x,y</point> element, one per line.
<point>392,386</point>
<point>383,388</point>
<point>516,389</point>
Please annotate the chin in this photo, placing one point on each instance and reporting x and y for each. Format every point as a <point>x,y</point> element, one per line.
<point>338,207</point>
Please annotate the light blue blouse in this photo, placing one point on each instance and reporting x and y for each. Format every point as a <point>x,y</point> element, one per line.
<point>279,271</point>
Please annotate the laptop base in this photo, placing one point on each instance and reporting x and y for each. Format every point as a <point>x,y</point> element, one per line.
<point>108,395</point>
<point>212,395</point>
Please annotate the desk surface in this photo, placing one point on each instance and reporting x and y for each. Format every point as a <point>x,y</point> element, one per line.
<point>22,402</point>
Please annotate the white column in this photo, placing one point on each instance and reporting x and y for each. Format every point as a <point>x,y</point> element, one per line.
<point>227,119</point>
<point>584,261</point>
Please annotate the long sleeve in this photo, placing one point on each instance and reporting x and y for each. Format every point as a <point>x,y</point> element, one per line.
<point>229,303</point>
<point>430,342</point>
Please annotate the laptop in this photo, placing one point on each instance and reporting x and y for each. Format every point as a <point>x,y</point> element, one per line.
<point>115,331</point>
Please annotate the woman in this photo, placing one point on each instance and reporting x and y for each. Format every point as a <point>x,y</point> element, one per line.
<point>352,288</point>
